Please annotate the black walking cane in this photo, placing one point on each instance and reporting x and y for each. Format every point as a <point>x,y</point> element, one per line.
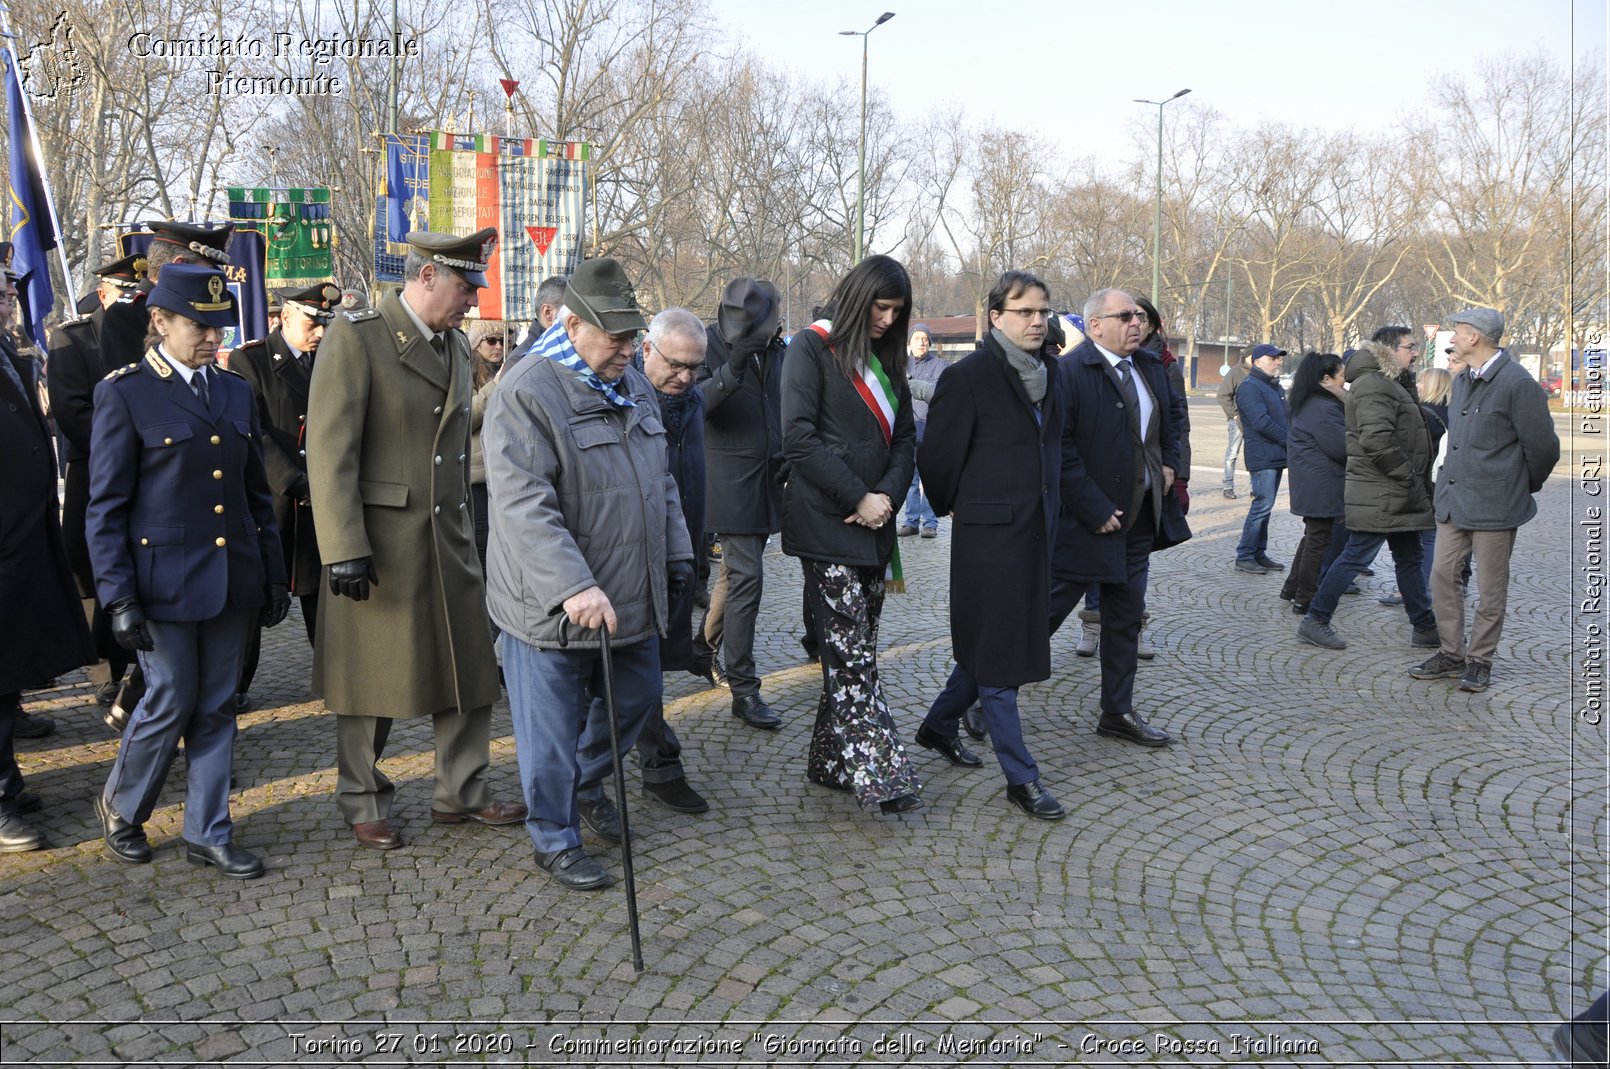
<point>620,800</point>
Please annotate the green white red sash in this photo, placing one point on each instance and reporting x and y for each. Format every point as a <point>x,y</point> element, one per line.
<point>879,395</point>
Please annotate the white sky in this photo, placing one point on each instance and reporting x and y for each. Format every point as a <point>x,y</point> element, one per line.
<point>1062,64</point>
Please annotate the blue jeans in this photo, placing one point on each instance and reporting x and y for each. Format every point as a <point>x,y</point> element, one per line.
<point>919,513</point>
<point>1232,452</point>
<point>1255,532</point>
<point>550,694</point>
<point>1362,546</point>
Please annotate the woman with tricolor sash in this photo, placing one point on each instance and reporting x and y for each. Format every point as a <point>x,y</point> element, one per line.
<point>849,442</point>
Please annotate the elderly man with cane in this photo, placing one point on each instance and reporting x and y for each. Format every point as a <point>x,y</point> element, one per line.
<point>587,536</point>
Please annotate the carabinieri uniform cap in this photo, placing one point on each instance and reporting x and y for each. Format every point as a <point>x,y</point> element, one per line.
<point>196,292</point>
<point>207,241</point>
<point>600,293</point>
<point>6,251</point>
<point>318,302</point>
<point>125,274</point>
<point>468,256</point>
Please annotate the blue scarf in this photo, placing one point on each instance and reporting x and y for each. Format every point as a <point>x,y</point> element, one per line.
<point>556,346</point>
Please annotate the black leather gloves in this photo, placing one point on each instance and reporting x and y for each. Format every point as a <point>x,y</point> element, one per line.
<point>352,578</point>
<point>128,625</point>
<point>678,574</point>
<point>276,603</point>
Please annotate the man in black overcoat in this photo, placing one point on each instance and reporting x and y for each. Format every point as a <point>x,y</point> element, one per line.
<point>42,629</point>
<point>1120,451</point>
<point>991,459</point>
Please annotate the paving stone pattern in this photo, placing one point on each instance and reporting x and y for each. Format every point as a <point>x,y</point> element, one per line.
<point>1333,860</point>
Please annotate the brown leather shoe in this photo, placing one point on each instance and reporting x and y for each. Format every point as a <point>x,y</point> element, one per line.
<point>377,835</point>
<point>496,813</point>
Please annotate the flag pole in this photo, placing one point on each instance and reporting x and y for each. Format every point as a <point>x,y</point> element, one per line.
<point>71,299</point>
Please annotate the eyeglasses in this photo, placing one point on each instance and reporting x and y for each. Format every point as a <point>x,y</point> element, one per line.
<point>678,367</point>
<point>1028,315</point>
<point>1409,347</point>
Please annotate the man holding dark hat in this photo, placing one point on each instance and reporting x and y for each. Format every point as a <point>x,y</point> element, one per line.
<point>388,451</point>
<point>279,368</point>
<point>187,562</point>
<point>76,366</point>
<point>588,533</point>
<point>743,441</point>
<point>1502,445</point>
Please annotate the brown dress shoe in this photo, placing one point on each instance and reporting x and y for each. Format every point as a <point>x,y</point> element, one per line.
<point>496,813</point>
<point>377,835</point>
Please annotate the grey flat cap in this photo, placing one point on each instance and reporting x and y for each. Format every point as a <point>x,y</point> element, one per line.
<point>1488,321</point>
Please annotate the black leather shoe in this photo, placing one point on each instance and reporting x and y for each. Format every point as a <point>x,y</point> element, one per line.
<point>676,794</point>
<point>973,721</point>
<point>116,718</point>
<point>229,859</point>
<point>709,669</point>
<point>126,841</point>
<point>32,726</point>
<point>602,817</point>
<point>1272,565</point>
<point>575,868</point>
<point>1036,801</point>
<point>1131,728</point>
<point>903,804</point>
<point>17,836</point>
<point>106,693</point>
<point>952,749</point>
<point>753,710</point>
<point>243,704</point>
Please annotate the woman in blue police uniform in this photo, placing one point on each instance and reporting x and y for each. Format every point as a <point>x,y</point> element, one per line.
<point>187,561</point>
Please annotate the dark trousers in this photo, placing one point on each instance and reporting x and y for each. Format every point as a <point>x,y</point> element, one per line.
<point>1122,605</point>
<point>10,773</point>
<point>189,696</point>
<point>808,637</point>
<point>1362,546</point>
<point>1000,713</point>
<point>114,660</point>
<point>1322,542</point>
<point>254,647</point>
<point>729,622</point>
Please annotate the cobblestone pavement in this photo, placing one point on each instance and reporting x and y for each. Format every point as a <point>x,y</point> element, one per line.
<point>1333,863</point>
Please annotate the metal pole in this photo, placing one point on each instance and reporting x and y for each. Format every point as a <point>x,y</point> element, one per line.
<point>1157,214</point>
<point>391,124</point>
<point>70,301</point>
<point>860,167</point>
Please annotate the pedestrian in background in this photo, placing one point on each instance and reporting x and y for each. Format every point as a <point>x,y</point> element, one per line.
<point>1233,378</point>
<point>1316,458</point>
<point>1261,402</point>
<point>923,373</point>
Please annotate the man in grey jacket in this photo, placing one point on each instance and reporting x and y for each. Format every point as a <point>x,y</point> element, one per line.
<point>1501,447</point>
<point>1232,381</point>
<point>587,534</point>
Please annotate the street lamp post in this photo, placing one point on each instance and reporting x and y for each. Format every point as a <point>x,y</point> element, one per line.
<point>1157,217</point>
<point>860,166</point>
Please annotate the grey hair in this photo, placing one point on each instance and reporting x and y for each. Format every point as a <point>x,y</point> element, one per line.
<point>1098,300</point>
<point>415,263</point>
<point>552,291</point>
<point>675,321</point>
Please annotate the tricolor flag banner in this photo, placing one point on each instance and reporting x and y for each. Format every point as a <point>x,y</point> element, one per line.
<point>533,191</point>
<point>33,226</point>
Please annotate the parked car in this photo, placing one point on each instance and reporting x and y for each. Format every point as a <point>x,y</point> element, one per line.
<point>1552,385</point>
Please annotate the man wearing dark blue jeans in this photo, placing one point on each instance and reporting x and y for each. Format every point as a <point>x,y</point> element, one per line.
<point>1262,404</point>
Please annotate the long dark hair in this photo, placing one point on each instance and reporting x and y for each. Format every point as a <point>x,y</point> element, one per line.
<point>1305,381</point>
<point>877,278</point>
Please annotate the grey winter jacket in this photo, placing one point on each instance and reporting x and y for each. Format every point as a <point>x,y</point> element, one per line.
<point>581,497</point>
<point>1501,447</point>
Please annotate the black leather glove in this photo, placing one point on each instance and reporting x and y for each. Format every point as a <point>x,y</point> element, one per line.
<point>678,574</point>
<point>276,603</point>
<point>352,578</point>
<point>128,625</point>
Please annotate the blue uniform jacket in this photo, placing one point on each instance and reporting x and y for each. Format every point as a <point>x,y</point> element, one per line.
<point>180,514</point>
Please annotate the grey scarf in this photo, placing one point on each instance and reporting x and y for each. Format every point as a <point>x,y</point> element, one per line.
<point>1029,367</point>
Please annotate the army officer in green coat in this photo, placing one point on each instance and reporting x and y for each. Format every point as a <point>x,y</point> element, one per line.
<point>406,634</point>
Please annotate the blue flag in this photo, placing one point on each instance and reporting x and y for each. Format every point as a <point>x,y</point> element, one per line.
<point>33,231</point>
<point>407,178</point>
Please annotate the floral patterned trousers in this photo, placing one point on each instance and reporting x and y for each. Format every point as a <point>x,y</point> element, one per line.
<point>854,746</point>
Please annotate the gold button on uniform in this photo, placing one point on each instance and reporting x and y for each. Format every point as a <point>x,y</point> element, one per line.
<point>219,509</point>
<point>167,441</point>
<point>219,542</point>
<point>216,440</point>
<point>145,541</point>
<point>217,475</point>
